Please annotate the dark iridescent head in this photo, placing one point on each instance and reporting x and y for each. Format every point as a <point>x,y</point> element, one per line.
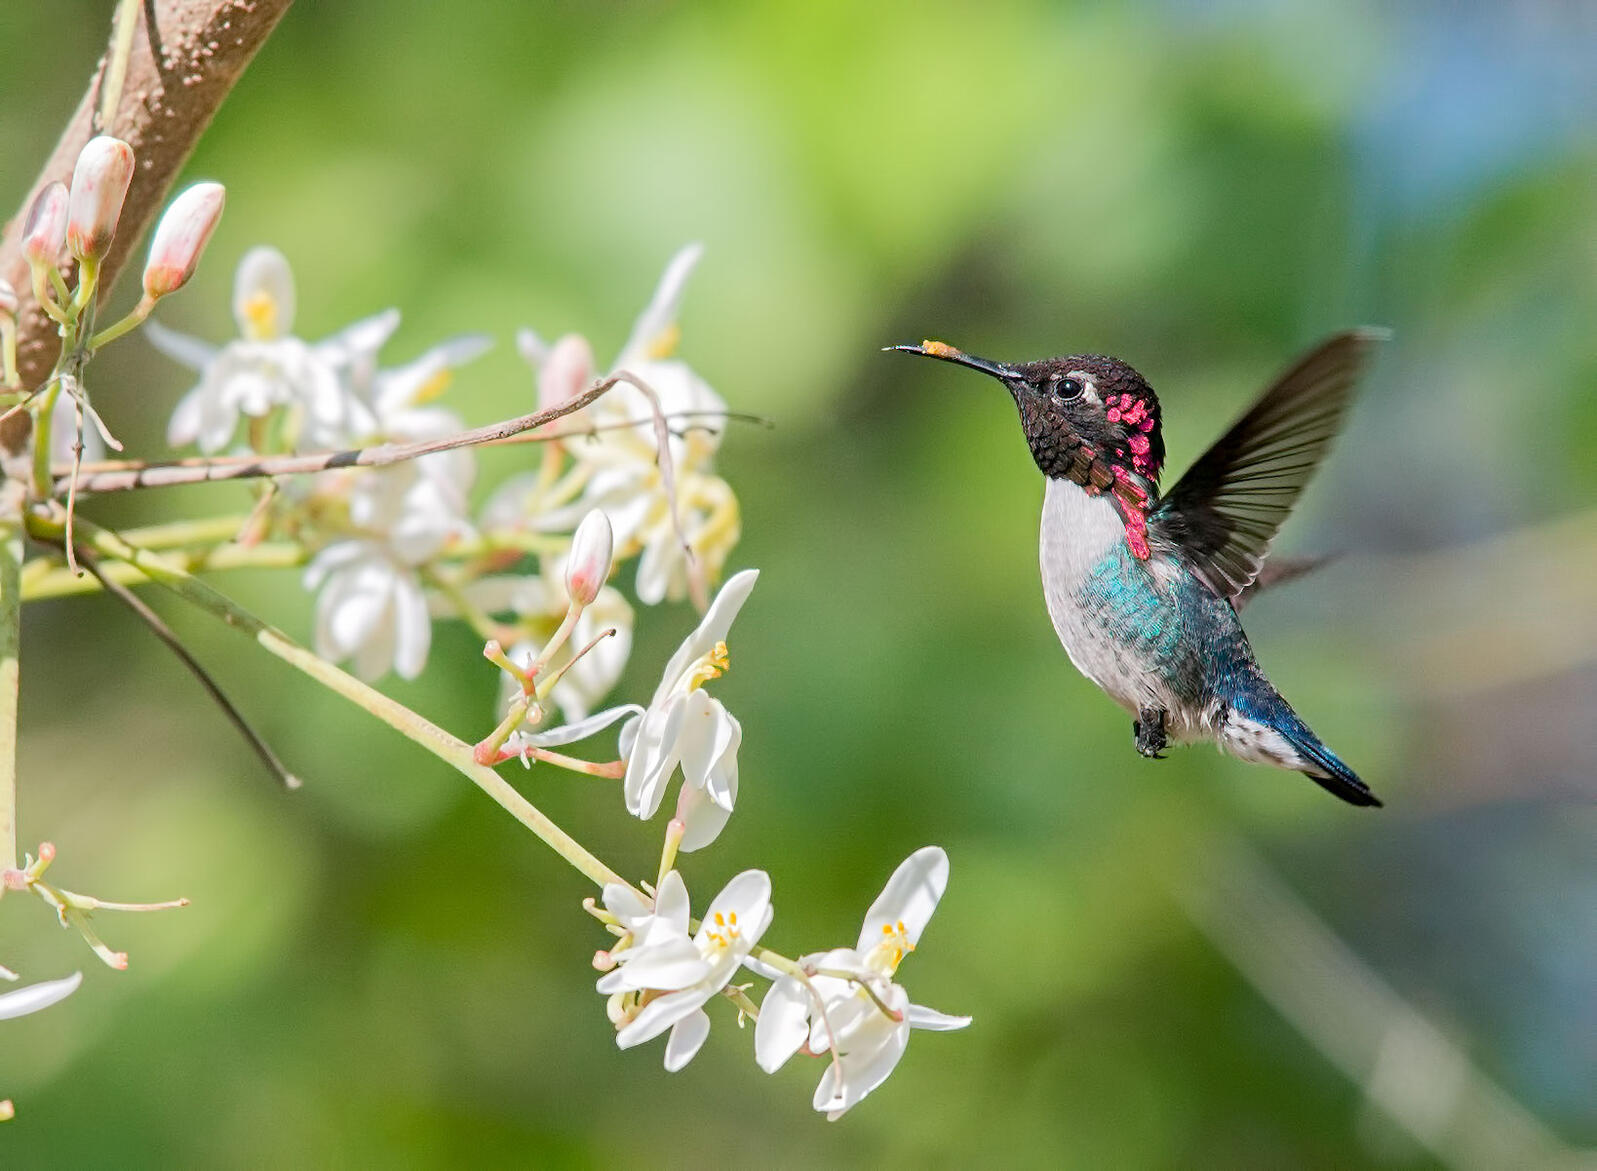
<point>1088,418</point>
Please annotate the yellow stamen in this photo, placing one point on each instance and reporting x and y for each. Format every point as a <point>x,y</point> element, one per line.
<point>434,386</point>
<point>664,343</point>
<point>260,316</point>
<point>711,666</point>
<point>895,945</point>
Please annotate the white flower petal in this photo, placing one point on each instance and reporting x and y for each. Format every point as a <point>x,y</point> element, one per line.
<point>625,904</point>
<point>697,736</point>
<point>37,996</point>
<point>876,1052</point>
<point>180,347</point>
<point>653,759</point>
<point>668,966</point>
<point>531,347</point>
<point>783,1025</point>
<point>687,1036</point>
<point>702,819</point>
<point>748,896</point>
<point>909,897</point>
<point>660,1014</point>
<point>188,419</point>
<point>671,901</point>
<point>860,1076</point>
<point>712,628</point>
<point>360,340</point>
<point>375,655</point>
<point>721,786</point>
<point>921,1017</point>
<point>661,312</point>
<point>580,730</point>
<point>662,558</point>
<point>413,627</point>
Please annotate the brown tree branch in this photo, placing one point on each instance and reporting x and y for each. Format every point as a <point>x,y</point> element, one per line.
<point>186,57</point>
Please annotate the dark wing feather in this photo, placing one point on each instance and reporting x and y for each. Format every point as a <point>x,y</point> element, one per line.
<point>1225,511</point>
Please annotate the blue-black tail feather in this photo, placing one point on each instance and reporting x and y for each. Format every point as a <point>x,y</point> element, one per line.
<point>1338,778</point>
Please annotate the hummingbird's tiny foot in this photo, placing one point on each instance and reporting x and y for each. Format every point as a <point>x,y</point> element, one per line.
<point>1149,732</point>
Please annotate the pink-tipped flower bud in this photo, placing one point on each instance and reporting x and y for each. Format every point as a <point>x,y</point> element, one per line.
<point>45,233</point>
<point>588,564</point>
<point>181,236</point>
<point>99,185</point>
<point>566,371</point>
<point>8,299</point>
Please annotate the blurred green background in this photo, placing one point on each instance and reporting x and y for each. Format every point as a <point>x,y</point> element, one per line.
<point>385,969</point>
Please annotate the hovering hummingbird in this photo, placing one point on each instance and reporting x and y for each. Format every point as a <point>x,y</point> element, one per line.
<point>1144,588</point>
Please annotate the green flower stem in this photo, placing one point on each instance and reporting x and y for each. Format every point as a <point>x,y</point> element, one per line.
<point>8,350</point>
<point>10,674</point>
<point>49,577</point>
<point>450,749</point>
<point>203,530</point>
<point>43,421</point>
<point>116,72</point>
<point>134,318</point>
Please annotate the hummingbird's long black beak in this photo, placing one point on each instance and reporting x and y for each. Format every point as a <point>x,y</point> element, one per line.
<point>947,353</point>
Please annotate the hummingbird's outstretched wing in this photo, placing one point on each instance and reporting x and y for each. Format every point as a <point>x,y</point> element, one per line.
<point>1225,511</point>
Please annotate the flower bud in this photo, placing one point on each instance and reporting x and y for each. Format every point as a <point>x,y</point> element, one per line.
<point>8,299</point>
<point>588,564</point>
<point>99,185</point>
<point>46,231</point>
<point>566,371</point>
<point>181,236</point>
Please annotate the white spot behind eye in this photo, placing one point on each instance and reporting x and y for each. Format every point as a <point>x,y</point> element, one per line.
<point>1089,389</point>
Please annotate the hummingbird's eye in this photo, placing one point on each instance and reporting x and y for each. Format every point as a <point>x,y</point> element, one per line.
<point>1068,388</point>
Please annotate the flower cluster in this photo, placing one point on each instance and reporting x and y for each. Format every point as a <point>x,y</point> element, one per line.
<point>374,532</point>
<point>392,549</point>
<point>842,1005</point>
<point>629,476</point>
<point>675,534</point>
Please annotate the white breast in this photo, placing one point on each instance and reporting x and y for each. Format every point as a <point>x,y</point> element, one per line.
<point>1078,532</point>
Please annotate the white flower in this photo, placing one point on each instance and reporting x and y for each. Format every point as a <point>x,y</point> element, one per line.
<point>37,996</point>
<point>848,1004</point>
<point>664,976</point>
<point>267,367</point>
<point>683,726</point>
<point>371,608</point>
<point>620,460</point>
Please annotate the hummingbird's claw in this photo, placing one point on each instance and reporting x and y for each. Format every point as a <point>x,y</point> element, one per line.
<point>1149,731</point>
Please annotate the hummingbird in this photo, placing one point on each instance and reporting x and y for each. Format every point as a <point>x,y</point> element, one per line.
<point>1144,588</point>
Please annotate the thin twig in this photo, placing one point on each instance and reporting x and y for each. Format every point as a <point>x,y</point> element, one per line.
<point>167,635</point>
<point>382,455</point>
<point>100,467</point>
